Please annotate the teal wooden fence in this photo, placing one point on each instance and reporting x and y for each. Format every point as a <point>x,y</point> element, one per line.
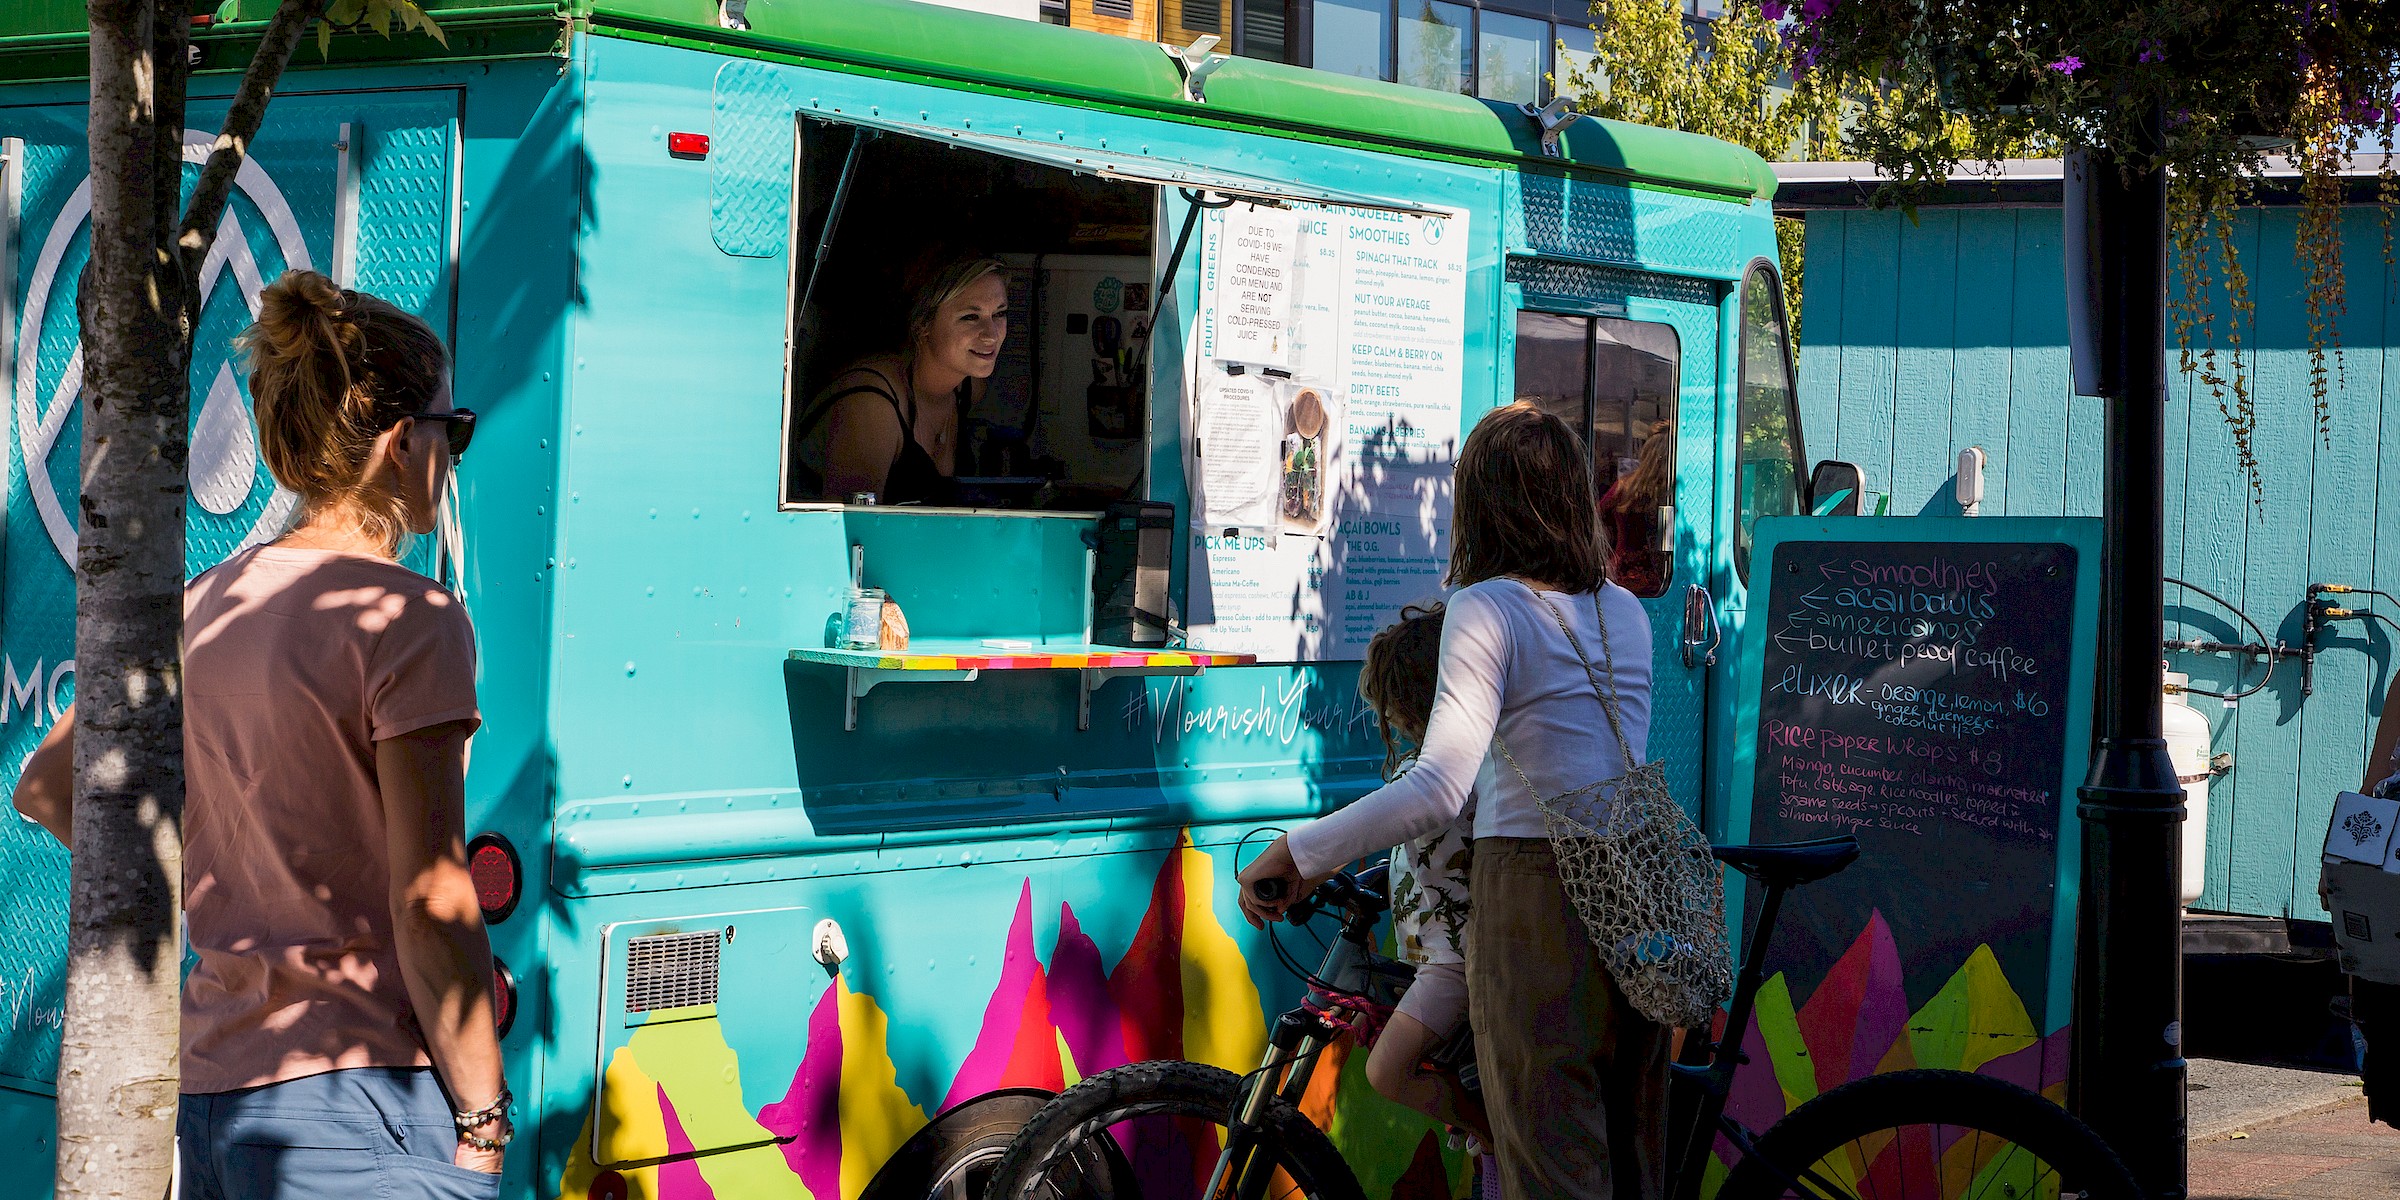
<point>1921,338</point>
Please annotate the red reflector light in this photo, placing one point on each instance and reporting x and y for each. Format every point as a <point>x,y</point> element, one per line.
<point>608,1185</point>
<point>688,145</point>
<point>504,998</point>
<point>492,865</point>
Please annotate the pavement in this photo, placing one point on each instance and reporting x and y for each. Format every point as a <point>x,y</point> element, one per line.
<point>2273,1133</point>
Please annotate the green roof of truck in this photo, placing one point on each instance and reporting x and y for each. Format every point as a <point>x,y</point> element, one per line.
<point>44,39</point>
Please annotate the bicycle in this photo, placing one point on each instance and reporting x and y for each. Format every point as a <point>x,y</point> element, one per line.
<point>1905,1135</point>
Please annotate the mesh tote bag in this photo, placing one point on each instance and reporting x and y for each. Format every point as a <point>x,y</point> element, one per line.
<point>1637,870</point>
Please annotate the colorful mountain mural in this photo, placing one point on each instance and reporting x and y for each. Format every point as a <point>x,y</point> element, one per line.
<point>1052,1020</point>
<point>1857,1023</point>
<point>1049,1023</point>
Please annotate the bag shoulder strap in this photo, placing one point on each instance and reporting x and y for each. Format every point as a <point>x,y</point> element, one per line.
<point>1608,697</point>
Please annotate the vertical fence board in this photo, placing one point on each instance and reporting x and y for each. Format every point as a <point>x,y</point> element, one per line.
<point>1819,369</point>
<point>1986,356</point>
<point>2272,585</point>
<point>2341,549</point>
<point>2216,516</point>
<point>1870,332</point>
<point>2037,400</point>
<point>1922,461</point>
<point>2384,500</point>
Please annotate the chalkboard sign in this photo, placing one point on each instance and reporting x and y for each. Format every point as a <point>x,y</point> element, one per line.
<point>1924,685</point>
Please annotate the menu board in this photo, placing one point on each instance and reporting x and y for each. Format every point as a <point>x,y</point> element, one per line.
<point>1922,696</point>
<point>1328,372</point>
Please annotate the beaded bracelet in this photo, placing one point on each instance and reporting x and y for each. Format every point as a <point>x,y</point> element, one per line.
<point>485,1115</point>
<point>508,1133</point>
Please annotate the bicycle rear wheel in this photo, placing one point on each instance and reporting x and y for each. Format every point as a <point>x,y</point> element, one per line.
<point>1930,1135</point>
<point>1168,1120</point>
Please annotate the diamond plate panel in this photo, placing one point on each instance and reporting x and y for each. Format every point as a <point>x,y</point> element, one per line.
<point>281,215</point>
<point>1610,223</point>
<point>404,206</point>
<point>750,160</point>
<point>37,616</point>
<point>1578,282</point>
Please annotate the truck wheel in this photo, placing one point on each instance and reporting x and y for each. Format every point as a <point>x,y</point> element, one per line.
<point>952,1158</point>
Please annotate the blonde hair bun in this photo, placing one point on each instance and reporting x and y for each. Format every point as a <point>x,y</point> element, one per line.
<point>330,370</point>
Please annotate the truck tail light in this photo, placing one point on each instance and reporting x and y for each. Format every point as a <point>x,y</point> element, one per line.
<point>688,145</point>
<point>499,877</point>
<point>504,998</point>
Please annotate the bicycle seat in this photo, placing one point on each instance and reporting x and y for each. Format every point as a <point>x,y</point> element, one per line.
<point>1789,864</point>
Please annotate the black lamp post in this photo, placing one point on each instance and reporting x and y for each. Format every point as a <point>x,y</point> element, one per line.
<point>2128,1070</point>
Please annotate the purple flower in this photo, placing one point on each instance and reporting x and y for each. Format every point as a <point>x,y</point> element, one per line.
<point>2151,52</point>
<point>2066,66</point>
<point>1773,9</point>
<point>1815,10</point>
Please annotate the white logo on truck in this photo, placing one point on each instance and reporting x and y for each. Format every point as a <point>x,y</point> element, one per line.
<point>223,465</point>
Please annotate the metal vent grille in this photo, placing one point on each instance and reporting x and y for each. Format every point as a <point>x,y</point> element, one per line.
<point>1120,9</point>
<point>671,970</point>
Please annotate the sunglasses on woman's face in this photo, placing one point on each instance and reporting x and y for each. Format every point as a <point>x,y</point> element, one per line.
<point>461,428</point>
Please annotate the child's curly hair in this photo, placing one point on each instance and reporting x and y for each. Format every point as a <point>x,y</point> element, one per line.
<point>1397,681</point>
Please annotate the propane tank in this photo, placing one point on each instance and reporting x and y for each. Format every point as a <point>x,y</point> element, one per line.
<point>2188,746</point>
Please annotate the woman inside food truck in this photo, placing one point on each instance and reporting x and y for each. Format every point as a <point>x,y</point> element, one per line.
<point>889,424</point>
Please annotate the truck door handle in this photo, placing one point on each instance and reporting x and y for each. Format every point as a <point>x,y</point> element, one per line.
<point>1701,634</point>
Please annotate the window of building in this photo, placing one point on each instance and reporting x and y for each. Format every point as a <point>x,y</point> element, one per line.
<point>1578,72</point>
<point>1614,381</point>
<point>1511,56</point>
<point>1433,41</point>
<point>1202,16</point>
<point>1767,460</point>
<point>1263,29</point>
<point>1352,37</point>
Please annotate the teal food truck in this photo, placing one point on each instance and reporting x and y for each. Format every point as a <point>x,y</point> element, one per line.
<point>784,919</point>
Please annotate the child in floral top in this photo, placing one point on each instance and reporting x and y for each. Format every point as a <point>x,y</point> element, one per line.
<point>1428,880</point>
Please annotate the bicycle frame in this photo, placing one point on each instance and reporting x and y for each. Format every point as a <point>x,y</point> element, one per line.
<point>1696,1091</point>
<point>1300,1036</point>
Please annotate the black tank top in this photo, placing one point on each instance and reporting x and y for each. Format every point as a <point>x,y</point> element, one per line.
<point>914,476</point>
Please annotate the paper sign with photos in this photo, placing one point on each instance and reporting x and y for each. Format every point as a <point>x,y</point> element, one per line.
<point>2361,830</point>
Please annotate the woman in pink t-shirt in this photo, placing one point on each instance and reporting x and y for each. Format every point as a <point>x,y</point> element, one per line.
<point>337,1028</point>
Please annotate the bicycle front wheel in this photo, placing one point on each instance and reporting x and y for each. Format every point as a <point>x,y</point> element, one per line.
<point>1930,1135</point>
<point>1167,1121</point>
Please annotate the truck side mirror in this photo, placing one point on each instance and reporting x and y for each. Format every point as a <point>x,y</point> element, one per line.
<point>1834,488</point>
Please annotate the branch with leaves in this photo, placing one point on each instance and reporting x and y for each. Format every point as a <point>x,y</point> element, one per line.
<point>2205,89</point>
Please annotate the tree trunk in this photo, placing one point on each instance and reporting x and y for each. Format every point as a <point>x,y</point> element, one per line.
<point>117,1078</point>
<point>138,304</point>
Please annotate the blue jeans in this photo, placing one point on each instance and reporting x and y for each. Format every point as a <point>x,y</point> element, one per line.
<point>372,1133</point>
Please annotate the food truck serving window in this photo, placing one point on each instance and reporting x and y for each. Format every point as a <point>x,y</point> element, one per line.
<point>973,315</point>
<point>969,330</point>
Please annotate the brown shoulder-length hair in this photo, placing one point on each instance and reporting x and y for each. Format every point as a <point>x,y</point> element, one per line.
<point>1398,678</point>
<point>1523,504</point>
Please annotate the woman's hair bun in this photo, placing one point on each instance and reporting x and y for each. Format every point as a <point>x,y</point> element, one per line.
<point>330,370</point>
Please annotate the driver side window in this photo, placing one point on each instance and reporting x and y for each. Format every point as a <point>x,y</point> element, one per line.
<point>1768,455</point>
<point>1614,382</point>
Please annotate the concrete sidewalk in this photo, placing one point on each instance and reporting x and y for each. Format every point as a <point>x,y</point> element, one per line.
<point>2228,1096</point>
<point>2268,1133</point>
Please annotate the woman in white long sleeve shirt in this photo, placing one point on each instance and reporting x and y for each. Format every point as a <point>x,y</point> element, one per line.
<point>1574,1076</point>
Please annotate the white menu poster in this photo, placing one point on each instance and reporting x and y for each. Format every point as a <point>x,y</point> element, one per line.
<point>1234,443</point>
<point>1255,279</point>
<point>1364,424</point>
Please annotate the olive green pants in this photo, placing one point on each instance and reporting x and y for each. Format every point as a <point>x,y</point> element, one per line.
<point>1574,1076</point>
